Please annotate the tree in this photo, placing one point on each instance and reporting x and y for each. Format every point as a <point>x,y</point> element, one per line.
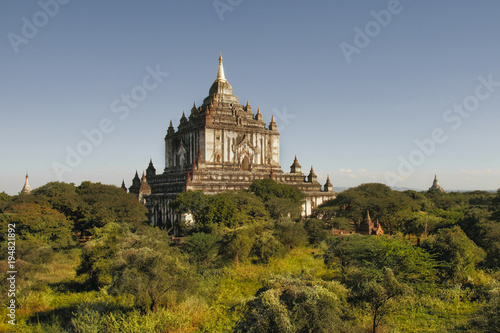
<point>316,231</point>
<point>40,223</point>
<point>267,247</point>
<point>203,248</point>
<point>283,207</point>
<point>383,203</point>
<point>281,200</point>
<point>224,210</point>
<point>4,200</point>
<point>487,318</point>
<point>420,223</point>
<point>267,189</point>
<point>286,304</point>
<point>150,270</point>
<point>456,253</point>
<point>381,295</point>
<point>237,244</point>
<point>105,204</point>
<point>250,209</point>
<point>291,234</point>
<point>220,211</point>
<point>99,255</point>
<point>193,202</point>
<point>372,255</point>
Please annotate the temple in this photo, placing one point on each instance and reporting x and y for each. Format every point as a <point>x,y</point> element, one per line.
<point>221,146</point>
<point>367,227</point>
<point>435,186</point>
<point>26,188</point>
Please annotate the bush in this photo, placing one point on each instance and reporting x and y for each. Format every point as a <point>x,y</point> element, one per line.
<point>267,247</point>
<point>290,234</point>
<point>203,248</point>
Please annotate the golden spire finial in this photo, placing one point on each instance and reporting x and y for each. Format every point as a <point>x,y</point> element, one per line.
<point>220,73</point>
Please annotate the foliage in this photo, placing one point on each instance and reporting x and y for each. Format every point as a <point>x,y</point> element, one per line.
<point>382,295</point>
<point>316,231</point>
<point>267,247</point>
<point>219,211</point>
<point>106,204</point>
<point>98,258</point>
<point>480,227</point>
<point>487,319</point>
<point>237,244</point>
<point>4,200</point>
<point>89,205</point>
<point>148,269</point>
<point>281,200</point>
<point>383,203</point>
<point>250,208</point>
<point>252,269</point>
<point>286,304</point>
<point>267,189</point>
<point>420,223</point>
<point>372,255</point>
<point>446,201</point>
<point>40,223</point>
<point>456,253</point>
<point>213,213</point>
<point>203,248</point>
<point>290,234</point>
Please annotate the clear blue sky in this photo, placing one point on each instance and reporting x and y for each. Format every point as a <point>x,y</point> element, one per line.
<point>355,120</point>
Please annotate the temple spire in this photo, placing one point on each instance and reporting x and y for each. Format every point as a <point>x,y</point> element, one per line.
<point>220,73</point>
<point>435,185</point>
<point>26,188</point>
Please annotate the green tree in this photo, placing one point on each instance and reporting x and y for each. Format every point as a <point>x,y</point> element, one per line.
<point>237,244</point>
<point>4,200</point>
<point>99,255</point>
<point>193,202</point>
<point>383,203</point>
<point>267,189</point>
<point>316,231</point>
<point>281,200</point>
<point>250,209</point>
<point>382,295</point>
<point>203,248</point>
<point>267,247</point>
<point>287,304</point>
<point>283,207</point>
<point>420,223</point>
<point>41,223</point>
<point>373,255</point>
<point>106,204</point>
<point>456,253</point>
<point>291,234</point>
<point>150,270</point>
<point>220,211</point>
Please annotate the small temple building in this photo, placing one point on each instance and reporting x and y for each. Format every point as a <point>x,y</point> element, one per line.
<point>221,146</point>
<point>435,186</point>
<point>26,188</point>
<point>367,227</point>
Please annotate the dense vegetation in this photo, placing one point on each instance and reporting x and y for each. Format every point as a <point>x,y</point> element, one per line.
<point>88,262</point>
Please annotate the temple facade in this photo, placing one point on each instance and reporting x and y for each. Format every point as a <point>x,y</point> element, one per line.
<point>221,146</point>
